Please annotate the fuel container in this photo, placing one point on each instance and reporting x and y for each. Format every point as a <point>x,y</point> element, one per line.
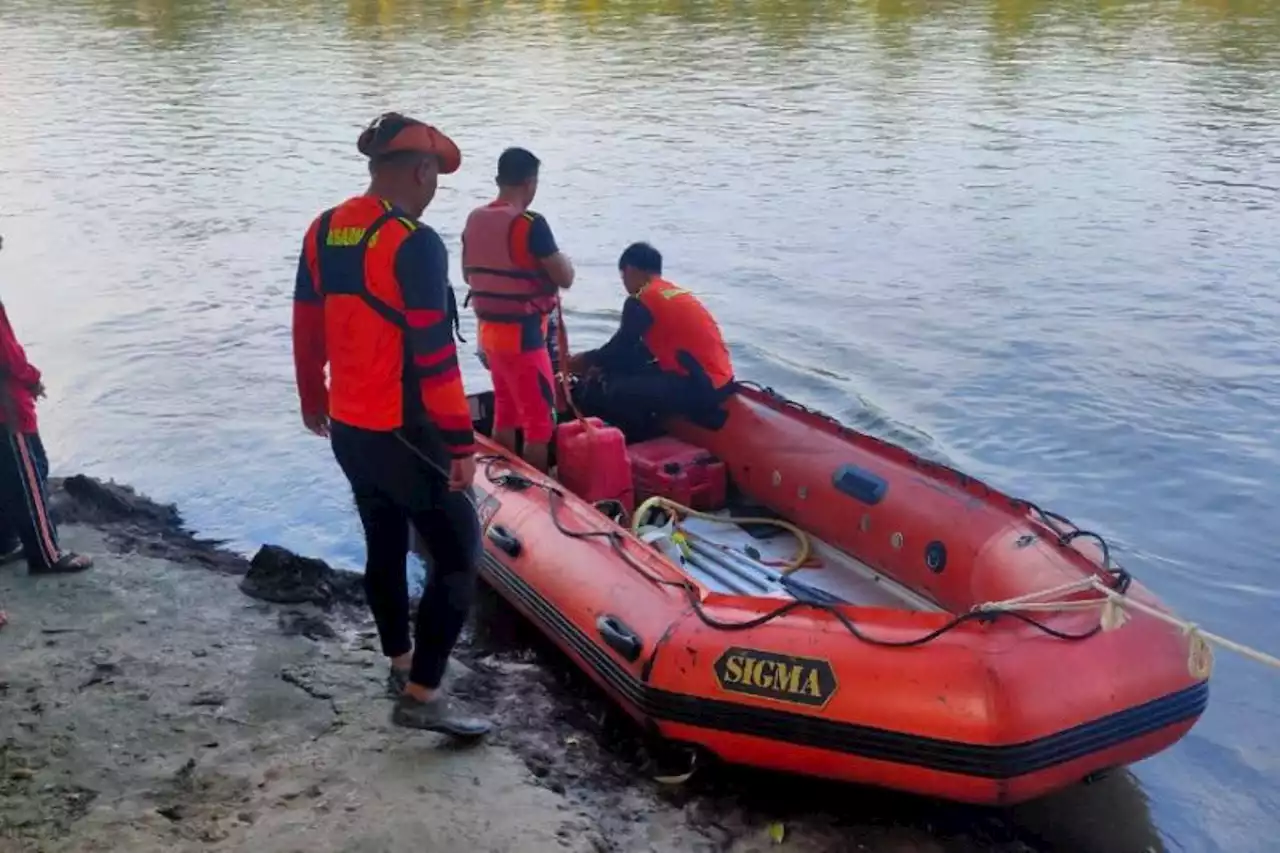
<point>592,462</point>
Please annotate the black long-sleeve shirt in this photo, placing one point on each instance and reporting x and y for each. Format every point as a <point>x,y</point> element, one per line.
<point>625,351</point>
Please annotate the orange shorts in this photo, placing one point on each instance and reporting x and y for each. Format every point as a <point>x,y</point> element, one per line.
<point>524,393</point>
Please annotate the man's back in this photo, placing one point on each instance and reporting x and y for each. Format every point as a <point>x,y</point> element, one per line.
<point>374,285</point>
<point>682,323</point>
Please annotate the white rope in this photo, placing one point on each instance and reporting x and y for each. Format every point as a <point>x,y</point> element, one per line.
<point>1063,589</point>
<point>1113,604</point>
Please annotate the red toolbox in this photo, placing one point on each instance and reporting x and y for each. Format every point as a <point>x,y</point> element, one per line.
<point>682,472</point>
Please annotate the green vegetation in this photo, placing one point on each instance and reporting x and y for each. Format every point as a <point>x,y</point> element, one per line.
<point>1237,30</point>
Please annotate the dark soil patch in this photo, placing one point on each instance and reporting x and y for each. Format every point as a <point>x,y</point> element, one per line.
<point>282,577</point>
<point>136,524</point>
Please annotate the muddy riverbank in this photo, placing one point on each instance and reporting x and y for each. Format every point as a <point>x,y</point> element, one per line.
<point>182,697</point>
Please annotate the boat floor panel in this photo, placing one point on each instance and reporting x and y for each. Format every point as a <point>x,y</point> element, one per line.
<point>728,559</point>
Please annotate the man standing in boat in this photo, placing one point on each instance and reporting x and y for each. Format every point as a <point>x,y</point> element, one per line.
<point>515,270</point>
<point>667,357</point>
<point>373,302</point>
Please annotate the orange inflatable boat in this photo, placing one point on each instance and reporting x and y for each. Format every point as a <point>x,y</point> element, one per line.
<point>838,607</point>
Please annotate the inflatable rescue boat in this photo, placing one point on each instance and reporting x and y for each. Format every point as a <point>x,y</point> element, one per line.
<point>788,593</point>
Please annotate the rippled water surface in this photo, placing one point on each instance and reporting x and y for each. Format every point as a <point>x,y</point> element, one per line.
<point>1038,239</point>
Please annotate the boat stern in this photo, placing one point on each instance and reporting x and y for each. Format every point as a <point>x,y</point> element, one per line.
<point>1065,710</point>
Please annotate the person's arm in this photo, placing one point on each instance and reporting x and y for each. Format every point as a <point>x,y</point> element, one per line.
<point>542,245</point>
<point>466,277</point>
<point>621,348</point>
<point>14,366</point>
<point>422,267</point>
<point>13,358</point>
<point>310,354</point>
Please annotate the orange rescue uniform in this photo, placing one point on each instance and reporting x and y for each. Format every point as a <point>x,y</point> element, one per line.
<point>667,358</point>
<point>502,248</point>
<point>681,328</point>
<point>372,300</point>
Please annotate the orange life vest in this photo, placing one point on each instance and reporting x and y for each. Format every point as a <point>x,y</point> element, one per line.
<point>353,261</point>
<point>502,290</point>
<point>681,323</point>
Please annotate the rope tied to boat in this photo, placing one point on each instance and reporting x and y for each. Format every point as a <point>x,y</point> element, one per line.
<point>1115,607</point>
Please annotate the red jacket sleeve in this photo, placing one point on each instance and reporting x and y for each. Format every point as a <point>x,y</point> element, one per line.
<point>309,353</point>
<point>13,358</point>
<point>422,267</point>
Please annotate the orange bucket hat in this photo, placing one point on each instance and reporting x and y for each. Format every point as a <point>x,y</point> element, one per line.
<point>392,132</point>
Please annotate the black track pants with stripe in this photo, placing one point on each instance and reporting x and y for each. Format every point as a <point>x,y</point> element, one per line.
<point>24,498</point>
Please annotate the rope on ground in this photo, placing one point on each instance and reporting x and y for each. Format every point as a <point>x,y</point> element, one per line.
<point>1114,604</point>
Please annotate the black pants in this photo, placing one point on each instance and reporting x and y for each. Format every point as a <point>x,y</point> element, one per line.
<point>394,488</point>
<point>24,499</point>
<point>637,401</point>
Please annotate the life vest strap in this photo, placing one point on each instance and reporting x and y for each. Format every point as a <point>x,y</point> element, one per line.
<point>358,286</point>
<point>523,275</point>
<point>511,297</point>
<point>499,317</point>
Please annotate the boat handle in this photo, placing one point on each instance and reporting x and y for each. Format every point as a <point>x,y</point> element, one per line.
<point>619,637</point>
<point>860,484</point>
<point>506,541</point>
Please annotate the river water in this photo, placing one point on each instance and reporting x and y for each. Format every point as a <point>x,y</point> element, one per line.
<point>1034,238</point>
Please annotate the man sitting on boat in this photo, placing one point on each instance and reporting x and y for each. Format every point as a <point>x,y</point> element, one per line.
<point>667,357</point>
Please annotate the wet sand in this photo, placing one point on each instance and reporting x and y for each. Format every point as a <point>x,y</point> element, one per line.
<point>159,702</point>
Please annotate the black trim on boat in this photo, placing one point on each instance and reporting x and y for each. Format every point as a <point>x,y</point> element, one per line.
<point>976,760</point>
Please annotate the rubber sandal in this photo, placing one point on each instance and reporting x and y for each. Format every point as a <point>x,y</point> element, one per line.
<point>67,564</point>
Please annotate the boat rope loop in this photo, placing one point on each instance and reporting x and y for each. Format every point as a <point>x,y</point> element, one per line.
<point>1114,606</point>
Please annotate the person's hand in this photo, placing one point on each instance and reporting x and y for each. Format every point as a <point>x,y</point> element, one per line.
<point>317,422</point>
<point>38,390</point>
<point>462,471</point>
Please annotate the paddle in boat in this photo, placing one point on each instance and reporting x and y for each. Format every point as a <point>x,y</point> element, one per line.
<point>794,595</point>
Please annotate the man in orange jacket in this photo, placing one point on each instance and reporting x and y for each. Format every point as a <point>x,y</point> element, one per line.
<point>26,528</point>
<point>515,271</point>
<point>667,357</point>
<point>373,302</point>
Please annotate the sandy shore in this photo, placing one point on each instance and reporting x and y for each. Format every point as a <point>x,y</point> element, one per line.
<point>152,705</point>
